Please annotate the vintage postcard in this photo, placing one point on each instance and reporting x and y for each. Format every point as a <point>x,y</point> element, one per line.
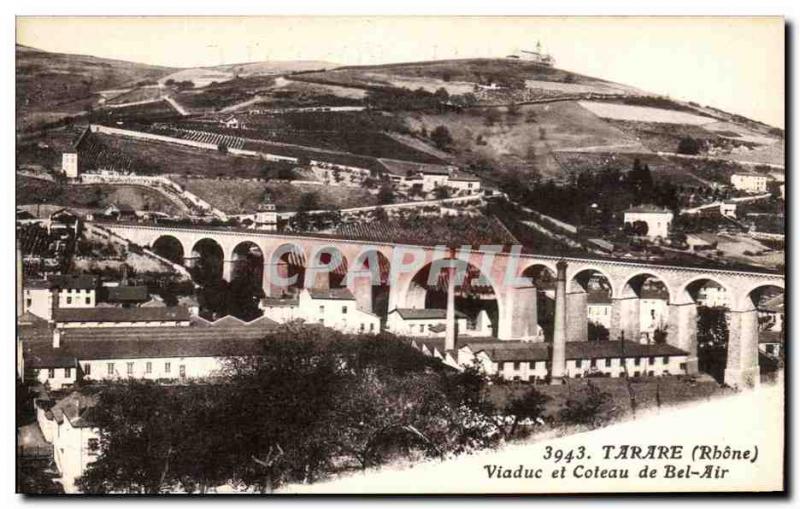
<point>400,255</point>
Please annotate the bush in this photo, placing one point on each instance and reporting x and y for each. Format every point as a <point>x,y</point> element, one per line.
<point>588,408</point>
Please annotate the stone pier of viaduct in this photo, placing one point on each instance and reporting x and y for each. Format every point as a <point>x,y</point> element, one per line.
<point>509,276</point>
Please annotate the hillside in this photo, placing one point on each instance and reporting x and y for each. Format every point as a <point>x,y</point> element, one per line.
<point>52,85</point>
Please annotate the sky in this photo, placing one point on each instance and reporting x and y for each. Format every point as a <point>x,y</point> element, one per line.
<point>736,64</point>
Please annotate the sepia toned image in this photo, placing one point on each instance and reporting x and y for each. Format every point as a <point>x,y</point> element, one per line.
<point>279,255</point>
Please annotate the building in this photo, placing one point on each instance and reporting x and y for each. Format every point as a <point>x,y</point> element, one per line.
<point>530,362</point>
<point>658,220</point>
<point>69,163</point>
<point>38,298</point>
<point>771,313</point>
<point>74,291</point>
<point>422,322</point>
<point>232,123</point>
<point>266,218</point>
<point>728,209</point>
<point>461,181</point>
<point>67,424</point>
<point>749,182</point>
<point>336,308</point>
<point>120,211</point>
<point>598,308</point>
<point>770,343</point>
<point>653,309</point>
<point>712,295</point>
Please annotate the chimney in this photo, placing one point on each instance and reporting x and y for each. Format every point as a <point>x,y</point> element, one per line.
<point>559,361</point>
<point>57,337</point>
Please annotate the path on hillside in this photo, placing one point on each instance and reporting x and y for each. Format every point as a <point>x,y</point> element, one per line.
<point>172,102</point>
<point>174,199</point>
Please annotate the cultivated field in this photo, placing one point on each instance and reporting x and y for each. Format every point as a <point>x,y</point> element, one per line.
<point>528,137</point>
<point>237,196</point>
<point>95,196</point>
<point>643,113</point>
<point>199,76</point>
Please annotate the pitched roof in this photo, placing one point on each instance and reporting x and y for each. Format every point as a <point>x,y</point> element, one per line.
<point>127,294</point>
<point>160,314</point>
<point>425,314</point>
<point>73,281</point>
<point>770,336</point>
<point>517,351</point>
<point>773,305</point>
<point>143,343</point>
<point>75,406</point>
<point>331,294</point>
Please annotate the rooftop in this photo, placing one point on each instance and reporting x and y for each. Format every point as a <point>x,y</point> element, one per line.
<point>331,294</point>
<point>144,343</point>
<point>425,314</point>
<point>146,314</point>
<point>127,294</point>
<point>73,281</point>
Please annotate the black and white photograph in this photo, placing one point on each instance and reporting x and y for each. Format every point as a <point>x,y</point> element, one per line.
<point>399,255</point>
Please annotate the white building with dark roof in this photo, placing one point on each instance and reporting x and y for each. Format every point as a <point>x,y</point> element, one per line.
<point>336,308</point>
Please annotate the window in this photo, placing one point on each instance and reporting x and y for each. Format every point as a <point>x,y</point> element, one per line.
<point>130,368</point>
<point>28,303</point>
<point>148,367</point>
<point>69,300</point>
<point>770,349</point>
<point>344,310</point>
<point>422,329</point>
<point>67,372</point>
<point>608,363</point>
<point>182,371</point>
<point>516,366</point>
<point>652,360</point>
<point>166,367</point>
<point>650,373</point>
<point>93,445</point>
<point>361,328</point>
<point>110,367</point>
<point>88,300</point>
<point>637,361</point>
<point>321,309</point>
<point>372,327</point>
<point>87,369</point>
<point>531,365</point>
<point>578,363</point>
<point>592,363</point>
<point>665,359</point>
<point>683,366</point>
<point>51,373</point>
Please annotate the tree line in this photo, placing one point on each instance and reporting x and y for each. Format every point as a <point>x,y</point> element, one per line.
<point>314,402</point>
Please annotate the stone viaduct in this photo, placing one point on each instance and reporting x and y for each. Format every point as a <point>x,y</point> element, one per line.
<point>510,277</point>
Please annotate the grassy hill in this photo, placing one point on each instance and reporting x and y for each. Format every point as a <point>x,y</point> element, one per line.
<point>50,85</point>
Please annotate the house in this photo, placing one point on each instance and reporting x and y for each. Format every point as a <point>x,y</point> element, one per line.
<point>232,123</point>
<point>74,291</point>
<point>68,424</point>
<point>177,316</point>
<point>462,181</point>
<point>770,343</point>
<point>599,308</point>
<point>336,308</point>
<point>712,295</point>
<point>37,298</point>
<point>749,182</point>
<point>120,211</point>
<point>69,163</point>
<point>658,220</point>
<point>728,209</point>
<point>771,313</point>
<point>422,322</point>
<point>653,309</point>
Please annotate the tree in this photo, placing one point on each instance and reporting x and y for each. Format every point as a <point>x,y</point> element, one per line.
<point>441,193</point>
<point>529,406</point>
<point>386,195</point>
<point>598,332</point>
<point>308,201</point>
<point>587,407</point>
<point>640,228</point>
<point>688,145</point>
<point>441,137</point>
